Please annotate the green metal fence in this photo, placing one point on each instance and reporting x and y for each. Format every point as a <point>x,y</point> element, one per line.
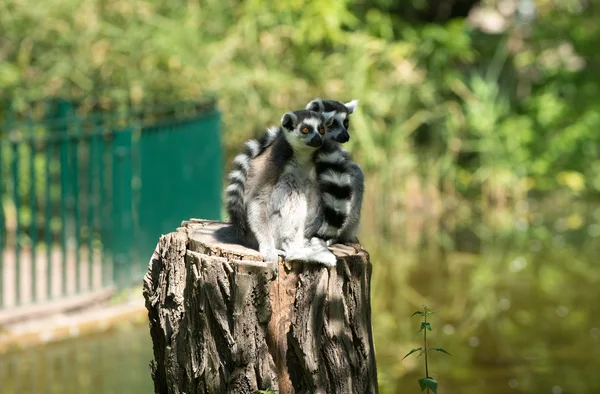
<point>86,192</point>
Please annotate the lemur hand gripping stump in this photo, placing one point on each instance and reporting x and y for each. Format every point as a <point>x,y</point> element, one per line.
<point>224,321</point>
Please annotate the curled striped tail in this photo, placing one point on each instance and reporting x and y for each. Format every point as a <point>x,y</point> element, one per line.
<point>336,188</point>
<point>235,191</point>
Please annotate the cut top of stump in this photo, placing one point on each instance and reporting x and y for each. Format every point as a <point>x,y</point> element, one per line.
<point>219,239</point>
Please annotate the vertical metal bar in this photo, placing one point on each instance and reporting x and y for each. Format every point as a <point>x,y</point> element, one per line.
<point>103,206</point>
<point>65,197</point>
<point>64,161</point>
<point>74,151</point>
<point>2,230</point>
<point>122,218</point>
<point>17,202</point>
<point>48,217</point>
<point>137,147</point>
<point>91,207</point>
<point>34,211</point>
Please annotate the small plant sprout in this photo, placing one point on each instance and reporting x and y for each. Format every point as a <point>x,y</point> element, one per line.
<point>267,391</point>
<point>427,382</point>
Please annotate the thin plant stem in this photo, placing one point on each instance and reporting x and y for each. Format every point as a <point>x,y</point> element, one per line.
<point>425,347</point>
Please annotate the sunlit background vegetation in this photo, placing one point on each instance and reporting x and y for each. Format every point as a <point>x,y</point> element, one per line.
<point>478,130</point>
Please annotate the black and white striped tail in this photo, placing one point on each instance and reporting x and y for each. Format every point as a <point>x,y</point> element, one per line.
<point>234,193</point>
<point>336,187</point>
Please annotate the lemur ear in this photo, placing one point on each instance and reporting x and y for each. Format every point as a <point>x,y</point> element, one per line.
<point>288,121</point>
<point>315,105</point>
<point>329,118</point>
<point>351,106</point>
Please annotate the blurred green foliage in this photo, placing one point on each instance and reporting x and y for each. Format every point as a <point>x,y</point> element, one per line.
<point>457,99</point>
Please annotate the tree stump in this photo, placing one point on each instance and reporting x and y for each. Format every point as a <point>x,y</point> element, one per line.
<point>224,321</point>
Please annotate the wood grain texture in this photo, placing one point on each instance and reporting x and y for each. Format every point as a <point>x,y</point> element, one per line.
<point>224,321</point>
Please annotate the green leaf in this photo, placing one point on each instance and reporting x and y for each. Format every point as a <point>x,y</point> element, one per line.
<point>9,74</point>
<point>411,352</point>
<point>439,349</point>
<point>417,313</point>
<point>425,325</point>
<point>428,383</point>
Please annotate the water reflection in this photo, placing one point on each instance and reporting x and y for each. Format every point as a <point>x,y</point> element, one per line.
<point>115,362</point>
<point>520,315</point>
<point>518,301</point>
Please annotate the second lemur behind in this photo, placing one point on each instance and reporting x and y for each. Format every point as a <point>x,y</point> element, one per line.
<point>341,180</point>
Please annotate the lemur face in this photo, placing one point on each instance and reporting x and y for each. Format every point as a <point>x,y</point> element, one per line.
<point>338,131</point>
<point>306,128</point>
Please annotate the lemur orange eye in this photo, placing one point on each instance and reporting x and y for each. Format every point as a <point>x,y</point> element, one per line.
<point>321,131</point>
<point>305,130</point>
<point>345,122</point>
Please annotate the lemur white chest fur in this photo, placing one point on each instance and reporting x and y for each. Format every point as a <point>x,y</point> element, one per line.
<point>305,173</point>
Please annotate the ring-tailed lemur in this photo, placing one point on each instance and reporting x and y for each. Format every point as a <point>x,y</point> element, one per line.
<point>341,180</point>
<point>272,192</point>
<point>253,148</point>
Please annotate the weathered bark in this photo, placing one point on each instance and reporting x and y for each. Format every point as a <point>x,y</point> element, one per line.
<point>224,321</point>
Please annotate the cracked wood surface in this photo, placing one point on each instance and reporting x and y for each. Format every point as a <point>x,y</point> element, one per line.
<point>224,321</point>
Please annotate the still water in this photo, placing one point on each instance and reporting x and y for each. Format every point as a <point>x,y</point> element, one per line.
<point>115,362</point>
<point>518,301</point>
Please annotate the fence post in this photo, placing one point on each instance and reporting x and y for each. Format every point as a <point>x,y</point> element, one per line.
<point>65,110</point>
<point>122,220</point>
<point>2,229</point>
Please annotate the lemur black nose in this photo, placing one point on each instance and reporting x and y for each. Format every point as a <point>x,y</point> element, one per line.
<point>343,137</point>
<point>316,141</point>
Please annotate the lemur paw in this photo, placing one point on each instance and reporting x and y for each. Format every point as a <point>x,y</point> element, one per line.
<point>321,254</point>
<point>270,255</point>
<point>327,259</point>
